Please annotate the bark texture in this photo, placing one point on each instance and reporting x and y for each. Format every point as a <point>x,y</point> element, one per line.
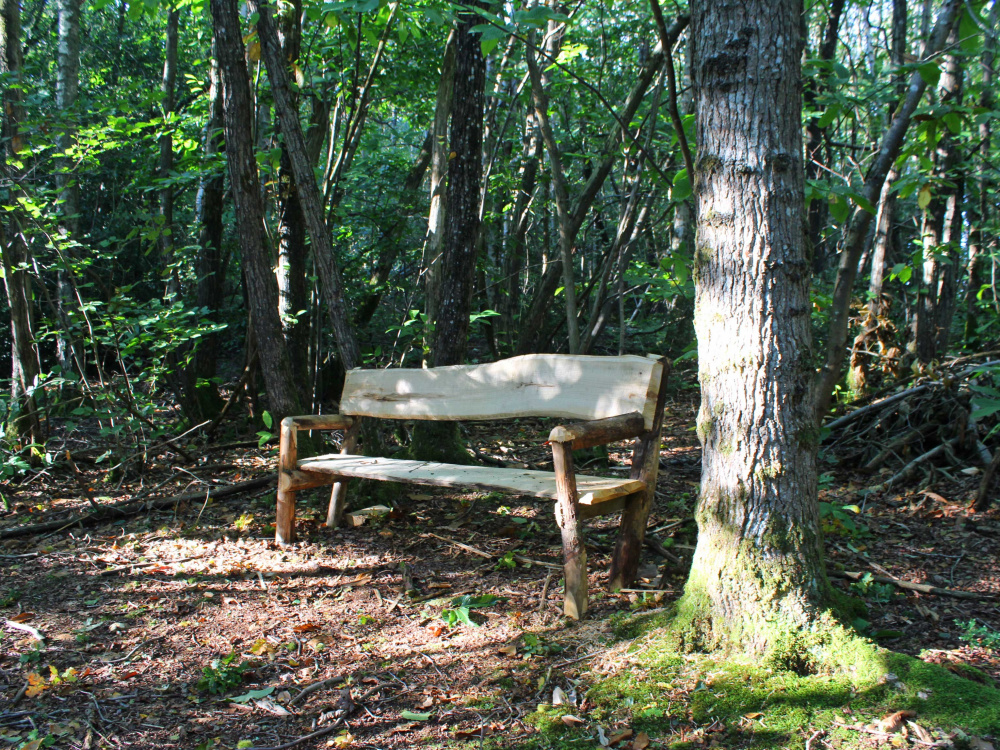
<point>13,247</point>
<point>262,289</point>
<point>461,229</point>
<point>758,568</point>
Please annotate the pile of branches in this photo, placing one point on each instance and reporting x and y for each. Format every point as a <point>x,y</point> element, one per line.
<point>940,423</point>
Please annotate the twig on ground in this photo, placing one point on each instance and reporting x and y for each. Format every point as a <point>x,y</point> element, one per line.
<point>33,632</point>
<point>310,689</point>
<point>882,735</point>
<point>135,566</point>
<point>305,738</point>
<point>923,588</point>
<point>545,591</point>
<point>132,507</point>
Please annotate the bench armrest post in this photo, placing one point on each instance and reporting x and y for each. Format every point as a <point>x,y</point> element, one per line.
<point>599,431</point>
<point>568,516</point>
<point>288,458</point>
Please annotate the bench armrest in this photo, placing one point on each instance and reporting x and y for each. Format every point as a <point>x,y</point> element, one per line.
<point>318,422</point>
<point>599,431</point>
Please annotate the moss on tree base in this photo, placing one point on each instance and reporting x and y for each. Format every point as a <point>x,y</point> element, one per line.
<point>684,700</point>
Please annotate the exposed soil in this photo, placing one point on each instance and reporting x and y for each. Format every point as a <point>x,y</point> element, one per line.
<point>136,613</point>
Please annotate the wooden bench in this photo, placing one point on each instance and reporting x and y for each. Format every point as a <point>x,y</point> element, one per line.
<point>618,397</point>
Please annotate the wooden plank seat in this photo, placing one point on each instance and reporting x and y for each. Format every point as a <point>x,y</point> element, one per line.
<point>619,397</point>
<point>590,490</point>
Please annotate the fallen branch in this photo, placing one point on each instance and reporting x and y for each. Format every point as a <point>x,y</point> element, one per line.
<point>136,566</point>
<point>310,689</point>
<point>132,507</point>
<point>657,547</point>
<point>983,496</point>
<point>923,588</point>
<point>490,556</point>
<point>883,735</point>
<point>33,632</point>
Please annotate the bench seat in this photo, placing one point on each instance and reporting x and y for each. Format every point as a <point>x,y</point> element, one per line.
<point>590,490</point>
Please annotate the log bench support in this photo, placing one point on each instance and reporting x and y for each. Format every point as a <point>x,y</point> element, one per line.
<point>593,388</point>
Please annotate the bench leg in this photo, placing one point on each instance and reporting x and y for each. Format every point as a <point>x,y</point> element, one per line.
<point>338,495</point>
<point>288,458</point>
<point>338,502</point>
<point>631,534</point>
<point>574,551</point>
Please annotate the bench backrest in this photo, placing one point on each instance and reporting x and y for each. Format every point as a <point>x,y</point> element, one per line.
<point>534,385</point>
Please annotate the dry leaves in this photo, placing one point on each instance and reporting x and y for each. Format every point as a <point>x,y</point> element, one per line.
<point>894,722</point>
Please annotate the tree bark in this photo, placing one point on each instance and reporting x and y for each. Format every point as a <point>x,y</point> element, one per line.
<point>857,231</point>
<point>461,229</point>
<point>262,289</point>
<point>439,169</point>
<point>67,90</point>
<point>293,302</point>
<point>941,230</point>
<point>816,152</point>
<point>202,394</point>
<point>308,191</point>
<point>757,573</point>
<point>166,163</point>
<point>979,215</point>
<point>25,423</point>
<point>540,101</point>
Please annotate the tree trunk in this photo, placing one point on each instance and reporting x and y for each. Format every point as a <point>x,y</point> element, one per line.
<point>293,302</point>
<point>308,191</point>
<point>461,229</point>
<point>857,230</point>
<point>540,100</point>
<point>202,400</point>
<point>817,155</point>
<point>67,90</point>
<point>979,215</point>
<point>941,231</point>
<point>757,574</point>
<point>439,169</point>
<point>531,326</point>
<point>168,88</point>
<point>262,289</point>
<point>25,423</point>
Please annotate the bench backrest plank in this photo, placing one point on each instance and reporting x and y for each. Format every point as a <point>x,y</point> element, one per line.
<point>534,385</point>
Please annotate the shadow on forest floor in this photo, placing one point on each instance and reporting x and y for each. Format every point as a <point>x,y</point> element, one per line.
<point>144,619</point>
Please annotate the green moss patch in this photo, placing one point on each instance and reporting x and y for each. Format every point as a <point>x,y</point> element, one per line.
<point>699,700</point>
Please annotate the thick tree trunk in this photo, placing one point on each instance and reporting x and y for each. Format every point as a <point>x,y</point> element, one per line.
<point>262,289</point>
<point>758,572</point>
<point>461,229</point>
<point>14,250</point>
<point>168,88</point>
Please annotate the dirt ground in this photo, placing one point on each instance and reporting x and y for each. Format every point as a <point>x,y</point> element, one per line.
<point>186,627</point>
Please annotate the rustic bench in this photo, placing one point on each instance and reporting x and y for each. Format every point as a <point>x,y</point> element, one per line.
<point>618,397</point>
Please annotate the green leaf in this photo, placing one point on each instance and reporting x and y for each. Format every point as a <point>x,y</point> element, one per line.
<point>930,72</point>
<point>924,196</point>
<point>839,209</point>
<point>253,695</point>
<point>829,116</point>
<point>268,419</point>
<point>414,716</point>
<point>953,121</point>
<point>682,185</point>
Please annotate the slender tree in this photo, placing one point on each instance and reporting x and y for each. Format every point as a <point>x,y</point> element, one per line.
<point>262,289</point>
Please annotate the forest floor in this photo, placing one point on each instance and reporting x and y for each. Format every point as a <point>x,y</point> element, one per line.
<point>186,627</point>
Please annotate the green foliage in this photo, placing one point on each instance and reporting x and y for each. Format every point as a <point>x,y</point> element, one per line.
<point>222,675</point>
<point>506,561</point>
<point>978,634</point>
<point>460,607</point>
<point>839,519</point>
<point>868,587</point>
